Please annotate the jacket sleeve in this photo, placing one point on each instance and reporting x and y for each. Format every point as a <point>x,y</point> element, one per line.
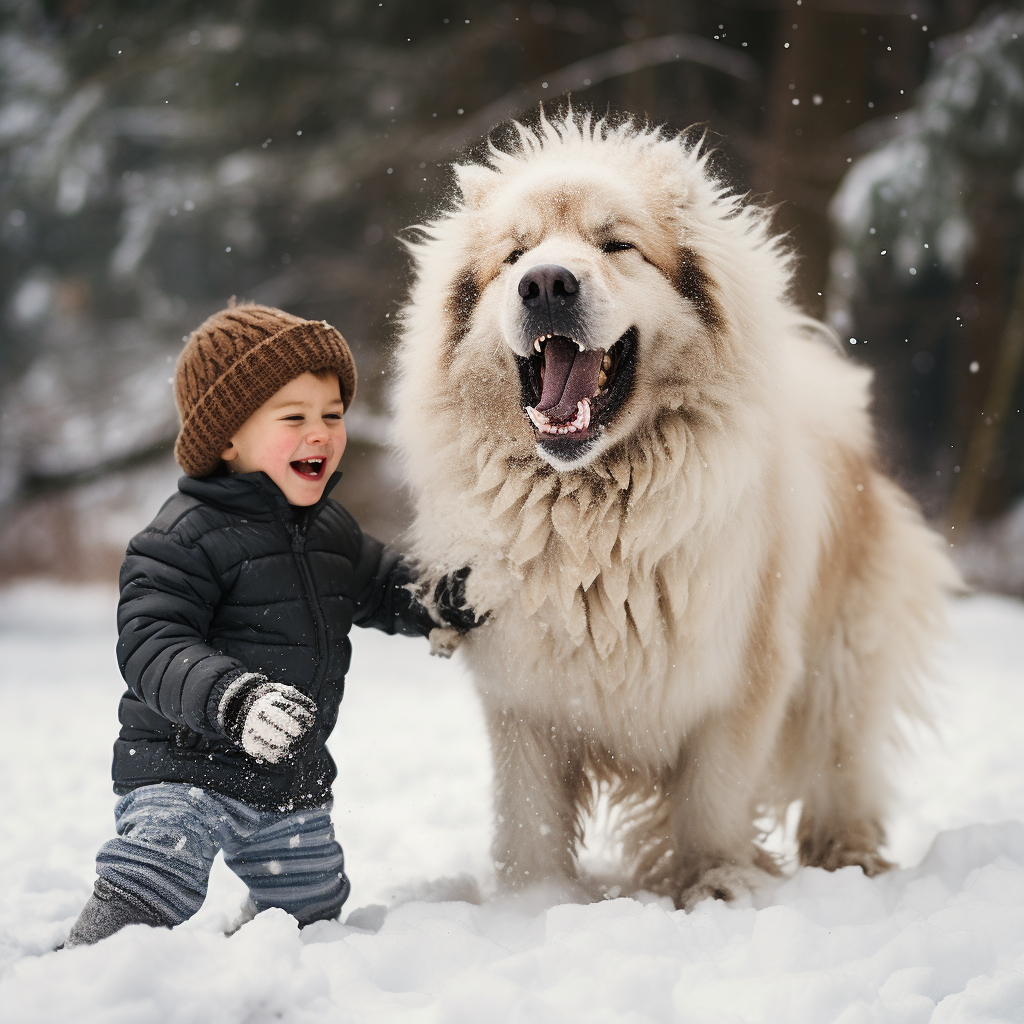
<point>169,590</point>
<point>384,591</point>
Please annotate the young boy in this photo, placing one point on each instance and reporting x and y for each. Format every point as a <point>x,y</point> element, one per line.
<point>236,604</point>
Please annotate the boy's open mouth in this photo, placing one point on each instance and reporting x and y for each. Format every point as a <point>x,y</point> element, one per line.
<point>310,469</point>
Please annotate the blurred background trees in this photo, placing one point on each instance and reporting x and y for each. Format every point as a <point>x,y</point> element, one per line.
<point>156,159</point>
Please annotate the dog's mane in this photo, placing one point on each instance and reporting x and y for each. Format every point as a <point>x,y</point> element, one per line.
<point>591,541</point>
<point>579,130</point>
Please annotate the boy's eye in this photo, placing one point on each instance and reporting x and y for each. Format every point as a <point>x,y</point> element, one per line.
<point>332,416</point>
<point>295,418</point>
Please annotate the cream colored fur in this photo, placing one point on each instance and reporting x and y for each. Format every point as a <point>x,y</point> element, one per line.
<point>724,606</point>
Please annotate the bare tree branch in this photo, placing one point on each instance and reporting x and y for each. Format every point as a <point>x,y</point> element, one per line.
<point>881,8</point>
<point>585,74</point>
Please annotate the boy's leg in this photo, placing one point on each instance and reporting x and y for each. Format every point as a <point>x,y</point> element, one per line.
<point>157,870</point>
<point>292,861</point>
<point>108,911</point>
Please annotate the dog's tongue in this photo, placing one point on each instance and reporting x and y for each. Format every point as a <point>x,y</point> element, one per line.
<point>569,376</point>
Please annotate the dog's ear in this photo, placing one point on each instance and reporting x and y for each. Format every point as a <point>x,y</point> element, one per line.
<point>475,182</point>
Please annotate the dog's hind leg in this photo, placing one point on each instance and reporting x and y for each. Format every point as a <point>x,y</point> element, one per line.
<point>837,739</point>
<point>886,615</point>
<point>842,748</point>
<point>843,741</point>
<point>540,789</point>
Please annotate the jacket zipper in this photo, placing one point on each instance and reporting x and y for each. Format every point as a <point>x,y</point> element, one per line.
<point>299,534</point>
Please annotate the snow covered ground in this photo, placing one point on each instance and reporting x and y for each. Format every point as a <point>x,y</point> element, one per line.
<point>424,938</point>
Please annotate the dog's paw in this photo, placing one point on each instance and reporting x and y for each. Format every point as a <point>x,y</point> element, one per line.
<point>872,862</point>
<point>855,846</point>
<point>836,856</point>
<point>444,641</point>
<point>730,883</point>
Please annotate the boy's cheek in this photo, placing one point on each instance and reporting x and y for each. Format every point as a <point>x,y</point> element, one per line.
<point>281,450</point>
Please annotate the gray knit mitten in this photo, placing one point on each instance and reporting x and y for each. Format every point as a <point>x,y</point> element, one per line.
<point>268,720</point>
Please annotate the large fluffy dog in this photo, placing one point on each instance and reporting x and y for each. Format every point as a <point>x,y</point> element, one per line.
<point>702,591</point>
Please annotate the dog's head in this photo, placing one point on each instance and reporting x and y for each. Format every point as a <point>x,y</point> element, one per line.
<point>591,265</point>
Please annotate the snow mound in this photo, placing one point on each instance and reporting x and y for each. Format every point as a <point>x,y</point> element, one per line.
<point>426,940</point>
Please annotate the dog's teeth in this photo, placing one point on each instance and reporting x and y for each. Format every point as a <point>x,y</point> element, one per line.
<point>602,379</point>
<point>539,419</point>
<point>579,345</point>
<point>579,422</point>
<point>606,362</point>
<point>536,344</point>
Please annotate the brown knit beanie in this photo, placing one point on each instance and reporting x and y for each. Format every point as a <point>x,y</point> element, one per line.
<point>237,359</point>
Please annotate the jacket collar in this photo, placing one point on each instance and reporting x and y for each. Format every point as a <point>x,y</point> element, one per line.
<point>251,494</point>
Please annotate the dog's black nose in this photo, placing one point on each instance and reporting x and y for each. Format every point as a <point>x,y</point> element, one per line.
<point>548,286</point>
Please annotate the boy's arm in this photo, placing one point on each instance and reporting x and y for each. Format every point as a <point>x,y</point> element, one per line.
<point>169,591</point>
<point>393,597</point>
<point>385,585</point>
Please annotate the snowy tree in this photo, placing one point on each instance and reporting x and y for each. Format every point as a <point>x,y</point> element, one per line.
<point>156,159</point>
<point>913,213</point>
<point>905,205</point>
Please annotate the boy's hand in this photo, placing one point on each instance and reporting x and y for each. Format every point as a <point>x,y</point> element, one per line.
<point>268,720</point>
<point>450,600</point>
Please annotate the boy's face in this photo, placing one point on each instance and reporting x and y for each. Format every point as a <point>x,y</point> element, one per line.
<point>296,437</point>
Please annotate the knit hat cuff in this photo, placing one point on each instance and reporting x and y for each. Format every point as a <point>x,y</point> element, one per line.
<point>251,380</point>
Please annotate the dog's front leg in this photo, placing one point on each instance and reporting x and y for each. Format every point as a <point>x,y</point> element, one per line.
<point>538,785</point>
<point>697,840</point>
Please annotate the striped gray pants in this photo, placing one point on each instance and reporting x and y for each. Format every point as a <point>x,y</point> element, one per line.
<point>169,834</point>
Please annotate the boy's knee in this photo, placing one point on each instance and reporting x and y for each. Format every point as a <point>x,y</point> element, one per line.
<point>307,899</point>
<point>172,839</point>
<point>161,857</point>
<point>328,906</point>
<point>156,822</point>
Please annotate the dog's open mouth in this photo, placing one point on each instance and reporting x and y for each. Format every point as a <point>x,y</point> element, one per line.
<point>571,393</point>
<point>311,469</point>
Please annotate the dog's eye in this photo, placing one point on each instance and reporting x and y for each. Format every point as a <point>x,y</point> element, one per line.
<point>617,246</point>
<point>514,255</point>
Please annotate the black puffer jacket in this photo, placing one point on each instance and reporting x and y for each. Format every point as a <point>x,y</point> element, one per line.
<point>230,578</point>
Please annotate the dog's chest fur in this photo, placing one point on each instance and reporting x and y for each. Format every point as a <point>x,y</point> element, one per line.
<point>606,590</point>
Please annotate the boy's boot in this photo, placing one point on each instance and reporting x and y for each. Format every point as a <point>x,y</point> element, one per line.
<point>109,910</point>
